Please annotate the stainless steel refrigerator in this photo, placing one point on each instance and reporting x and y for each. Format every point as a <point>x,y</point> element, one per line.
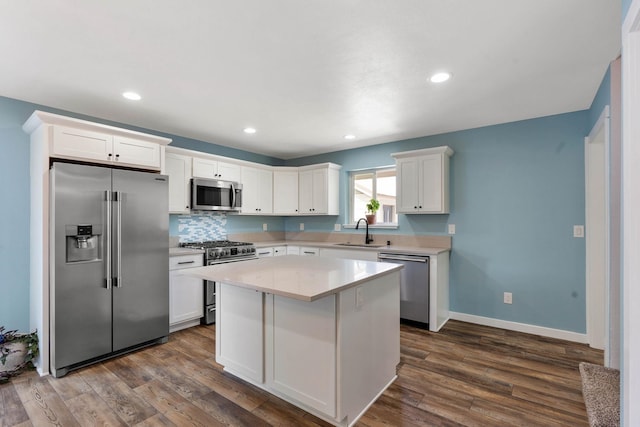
<point>109,263</point>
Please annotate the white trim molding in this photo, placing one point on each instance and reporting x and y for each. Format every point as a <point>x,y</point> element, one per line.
<point>597,238</point>
<point>520,327</point>
<point>630,372</point>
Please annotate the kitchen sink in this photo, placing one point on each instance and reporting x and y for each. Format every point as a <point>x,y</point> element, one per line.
<point>359,245</point>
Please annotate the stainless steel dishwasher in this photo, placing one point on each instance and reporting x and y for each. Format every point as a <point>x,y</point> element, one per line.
<point>414,285</point>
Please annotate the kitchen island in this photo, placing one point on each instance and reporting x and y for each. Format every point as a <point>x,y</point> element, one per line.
<point>320,333</point>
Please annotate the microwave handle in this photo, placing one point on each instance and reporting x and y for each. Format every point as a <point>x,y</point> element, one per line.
<point>233,196</point>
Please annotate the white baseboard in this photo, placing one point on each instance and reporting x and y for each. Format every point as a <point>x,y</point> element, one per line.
<point>520,327</point>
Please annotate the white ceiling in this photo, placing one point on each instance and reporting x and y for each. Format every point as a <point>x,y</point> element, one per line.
<point>305,73</point>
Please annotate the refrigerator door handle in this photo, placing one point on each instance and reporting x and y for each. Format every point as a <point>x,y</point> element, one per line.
<point>117,272</point>
<point>107,237</point>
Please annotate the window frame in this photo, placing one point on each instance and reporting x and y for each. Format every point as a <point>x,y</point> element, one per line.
<point>352,174</point>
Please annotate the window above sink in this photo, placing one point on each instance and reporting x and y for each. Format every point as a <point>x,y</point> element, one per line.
<point>380,184</point>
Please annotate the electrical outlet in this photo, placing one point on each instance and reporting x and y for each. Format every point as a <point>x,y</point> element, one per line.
<point>336,227</point>
<point>578,231</point>
<point>508,298</point>
<point>452,229</point>
<point>302,226</point>
<point>265,227</point>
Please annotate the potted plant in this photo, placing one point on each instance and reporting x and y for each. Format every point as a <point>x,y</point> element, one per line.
<point>16,352</point>
<point>372,208</point>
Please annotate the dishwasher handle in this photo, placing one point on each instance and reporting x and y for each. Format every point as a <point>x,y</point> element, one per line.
<point>393,257</point>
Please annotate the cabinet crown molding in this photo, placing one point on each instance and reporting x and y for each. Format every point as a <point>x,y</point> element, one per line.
<point>39,118</point>
<point>445,149</point>
<point>320,165</point>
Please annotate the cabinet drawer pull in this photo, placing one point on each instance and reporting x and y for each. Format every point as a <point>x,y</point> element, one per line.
<point>185,262</point>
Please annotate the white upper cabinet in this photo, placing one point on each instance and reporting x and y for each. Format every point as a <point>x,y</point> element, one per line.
<point>178,167</point>
<point>285,195</point>
<point>134,151</point>
<point>215,169</point>
<point>422,183</point>
<point>257,191</point>
<point>82,144</point>
<point>318,189</point>
<point>74,139</point>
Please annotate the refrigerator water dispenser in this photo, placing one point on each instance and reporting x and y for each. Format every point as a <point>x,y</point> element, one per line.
<point>83,242</point>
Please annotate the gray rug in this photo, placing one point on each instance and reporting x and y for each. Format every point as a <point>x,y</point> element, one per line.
<point>601,391</point>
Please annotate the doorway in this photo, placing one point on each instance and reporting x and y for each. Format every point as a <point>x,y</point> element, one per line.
<point>597,232</point>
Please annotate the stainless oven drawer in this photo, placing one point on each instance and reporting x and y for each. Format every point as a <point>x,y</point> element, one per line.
<point>209,315</point>
<point>209,293</point>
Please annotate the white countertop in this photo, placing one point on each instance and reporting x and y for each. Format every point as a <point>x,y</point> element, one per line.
<point>374,248</point>
<point>299,277</point>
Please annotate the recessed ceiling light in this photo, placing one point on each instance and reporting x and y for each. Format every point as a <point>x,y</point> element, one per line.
<point>132,96</point>
<point>249,130</point>
<point>349,137</point>
<point>440,77</point>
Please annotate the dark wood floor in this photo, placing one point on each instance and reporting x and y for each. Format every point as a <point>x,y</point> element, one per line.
<point>464,375</point>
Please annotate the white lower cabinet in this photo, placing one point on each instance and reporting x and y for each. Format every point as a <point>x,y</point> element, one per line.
<point>240,331</point>
<point>279,250</point>
<point>186,293</point>
<point>293,250</point>
<point>331,357</point>
<point>307,251</point>
<point>363,255</point>
<point>263,252</point>
<point>303,337</point>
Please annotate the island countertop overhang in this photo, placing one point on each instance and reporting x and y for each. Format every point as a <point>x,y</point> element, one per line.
<point>292,276</point>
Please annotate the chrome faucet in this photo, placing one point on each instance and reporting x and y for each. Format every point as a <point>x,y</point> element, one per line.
<point>367,239</point>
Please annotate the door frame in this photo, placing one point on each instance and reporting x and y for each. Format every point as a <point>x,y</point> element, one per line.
<point>597,310</point>
<point>630,381</point>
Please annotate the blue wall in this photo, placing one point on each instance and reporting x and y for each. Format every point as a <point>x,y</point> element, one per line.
<point>516,191</point>
<point>625,7</point>
<point>602,99</point>
<point>14,216</point>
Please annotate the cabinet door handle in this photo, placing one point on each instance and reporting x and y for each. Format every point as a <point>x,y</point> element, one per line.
<point>185,262</point>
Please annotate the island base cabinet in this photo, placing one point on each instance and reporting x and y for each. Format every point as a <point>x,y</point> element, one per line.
<point>368,350</point>
<point>240,331</point>
<point>332,357</point>
<point>301,350</point>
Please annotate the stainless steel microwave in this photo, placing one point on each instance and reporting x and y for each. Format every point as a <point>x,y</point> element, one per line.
<point>215,195</point>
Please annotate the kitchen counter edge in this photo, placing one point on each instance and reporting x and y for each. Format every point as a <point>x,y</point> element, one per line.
<point>336,245</point>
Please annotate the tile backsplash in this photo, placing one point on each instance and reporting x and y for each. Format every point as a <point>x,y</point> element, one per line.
<point>201,227</point>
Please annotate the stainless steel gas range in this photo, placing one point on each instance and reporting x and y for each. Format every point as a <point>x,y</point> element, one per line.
<point>219,252</point>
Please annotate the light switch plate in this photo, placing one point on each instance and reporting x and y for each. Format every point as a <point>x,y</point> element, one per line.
<point>336,227</point>
<point>452,229</point>
<point>508,298</point>
<point>265,227</point>
<point>302,226</point>
<point>578,231</point>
